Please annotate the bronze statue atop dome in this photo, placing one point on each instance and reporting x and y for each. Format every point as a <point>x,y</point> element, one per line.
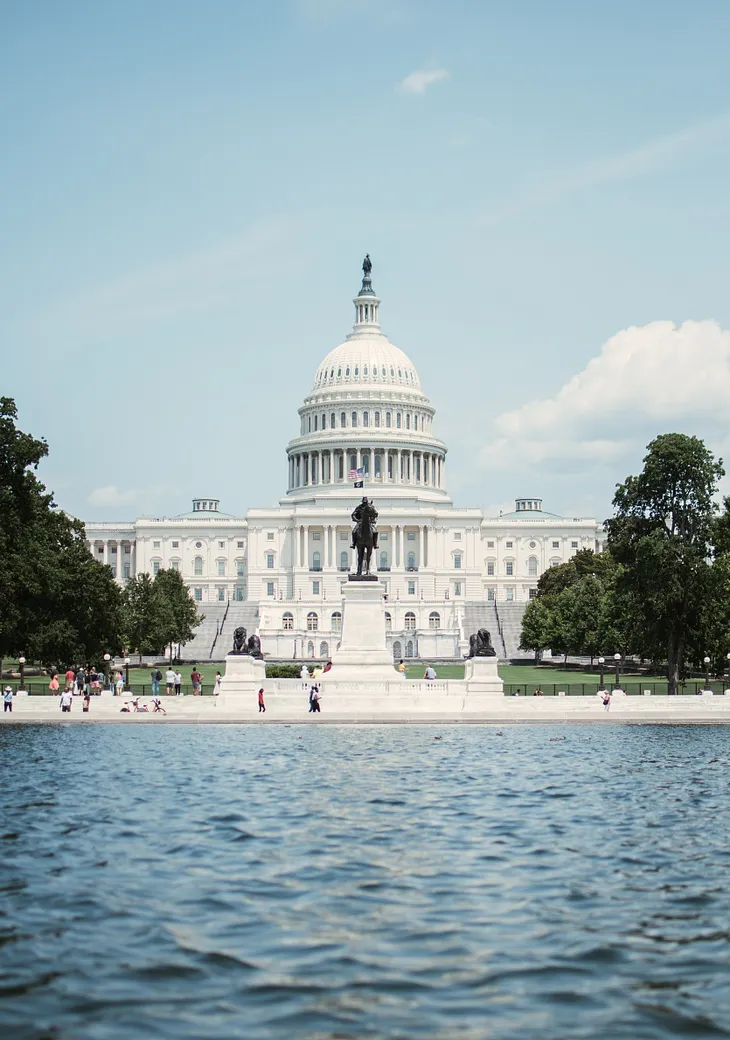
<point>367,265</point>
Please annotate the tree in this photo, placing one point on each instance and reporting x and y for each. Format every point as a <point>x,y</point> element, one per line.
<point>534,634</point>
<point>176,613</point>
<point>57,604</point>
<point>141,622</point>
<point>661,533</point>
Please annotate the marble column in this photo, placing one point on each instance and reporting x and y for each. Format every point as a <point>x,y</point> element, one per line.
<point>419,561</point>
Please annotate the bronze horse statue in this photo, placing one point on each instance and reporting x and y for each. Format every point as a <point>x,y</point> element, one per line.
<point>364,535</point>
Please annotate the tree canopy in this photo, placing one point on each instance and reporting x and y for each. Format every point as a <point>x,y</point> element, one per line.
<point>159,612</point>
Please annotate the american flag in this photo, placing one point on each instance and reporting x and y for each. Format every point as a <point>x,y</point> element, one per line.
<point>357,474</point>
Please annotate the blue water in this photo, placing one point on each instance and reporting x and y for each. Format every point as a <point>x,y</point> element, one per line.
<point>348,882</point>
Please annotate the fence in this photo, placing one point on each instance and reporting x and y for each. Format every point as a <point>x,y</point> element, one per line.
<point>635,688</point>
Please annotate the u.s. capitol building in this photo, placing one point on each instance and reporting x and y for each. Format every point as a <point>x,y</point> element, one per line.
<point>444,570</point>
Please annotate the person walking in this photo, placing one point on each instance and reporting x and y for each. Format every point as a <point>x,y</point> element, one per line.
<point>87,701</point>
<point>606,700</point>
<point>178,684</point>
<point>120,683</point>
<point>262,706</point>
<point>196,679</point>
<point>53,684</point>
<point>156,677</point>
<point>70,677</point>
<point>170,680</point>
<point>8,700</point>
<point>66,700</point>
<point>217,684</point>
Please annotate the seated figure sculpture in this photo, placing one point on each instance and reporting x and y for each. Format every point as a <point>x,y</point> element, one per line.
<point>480,644</point>
<point>253,647</point>
<point>239,641</point>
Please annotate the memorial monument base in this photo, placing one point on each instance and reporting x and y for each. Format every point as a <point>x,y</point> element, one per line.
<point>363,654</point>
<point>244,675</point>
<point>481,676</point>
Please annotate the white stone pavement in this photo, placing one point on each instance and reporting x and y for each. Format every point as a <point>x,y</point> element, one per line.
<point>401,701</point>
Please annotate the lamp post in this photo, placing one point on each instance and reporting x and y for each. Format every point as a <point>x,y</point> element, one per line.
<point>707,672</point>
<point>126,673</point>
<point>617,659</point>
<point>601,663</point>
<point>107,659</point>
<point>728,670</point>
<point>21,662</point>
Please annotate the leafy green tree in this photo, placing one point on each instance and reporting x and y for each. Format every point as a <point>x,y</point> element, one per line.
<point>534,634</point>
<point>57,604</point>
<point>141,621</point>
<point>662,533</point>
<point>176,613</point>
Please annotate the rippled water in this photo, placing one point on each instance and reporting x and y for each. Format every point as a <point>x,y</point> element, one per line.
<point>231,881</point>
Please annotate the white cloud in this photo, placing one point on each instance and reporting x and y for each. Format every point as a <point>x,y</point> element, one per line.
<point>646,380</point>
<point>419,81</point>
<point>110,496</point>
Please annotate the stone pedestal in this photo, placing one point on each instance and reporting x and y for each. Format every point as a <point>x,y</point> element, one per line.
<point>363,654</point>
<point>481,676</point>
<point>243,675</point>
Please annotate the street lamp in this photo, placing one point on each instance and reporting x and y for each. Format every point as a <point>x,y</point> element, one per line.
<point>21,662</point>
<point>601,662</point>
<point>107,659</point>
<point>617,659</point>
<point>126,670</point>
<point>728,670</point>
<point>707,672</point>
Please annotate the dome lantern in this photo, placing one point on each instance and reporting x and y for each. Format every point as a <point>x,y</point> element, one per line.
<point>367,304</point>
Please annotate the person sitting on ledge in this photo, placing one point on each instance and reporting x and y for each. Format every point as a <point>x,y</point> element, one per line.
<point>430,673</point>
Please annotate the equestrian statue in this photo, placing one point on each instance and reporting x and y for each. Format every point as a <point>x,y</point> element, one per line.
<point>364,535</point>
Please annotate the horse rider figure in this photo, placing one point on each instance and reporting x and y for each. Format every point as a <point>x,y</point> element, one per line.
<point>364,509</point>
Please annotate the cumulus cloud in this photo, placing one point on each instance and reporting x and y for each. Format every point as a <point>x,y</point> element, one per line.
<point>110,496</point>
<point>646,380</point>
<point>419,81</point>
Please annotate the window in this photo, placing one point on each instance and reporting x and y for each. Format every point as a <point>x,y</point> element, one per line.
<point>343,419</point>
<point>155,545</point>
<point>411,561</point>
<point>336,621</point>
<point>410,622</point>
<point>490,567</point>
<point>457,536</point>
<point>198,545</point>
<point>354,418</point>
<point>287,622</point>
<point>315,588</point>
<point>316,561</point>
<point>508,545</point>
<point>316,536</point>
<point>532,593</point>
<point>269,538</point>
<point>100,548</point>
<point>344,561</point>
<point>221,595</point>
<point>332,420</point>
<point>269,588</point>
<point>176,545</point>
<point>398,421</point>
<point>197,595</point>
<point>532,566</point>
<point>174,565</point>
<point>221,545</point>
<point>239,545</point>
<point>457,588</point>
<point>408,421</point>
<point>198,565</point>
<point>490,545</point>
<point>509,568</point>
<point>270,561</point>
<point>573,545</point>
<point>221,568</point>
<point>366,418</point>
<point>155,566</point>
<point>434,619</point>
<point>411,536</point>
<point>510,595</point>
<point>396,649</point>
<point>238,594</point>
<point>324,650</point>
<point>240,572</point>
<point>490,595</point>
<point>315,423</point>
<point>555,563</point>
<point>388,622</point>
<point>377,418</point>
<point>312,621</point>
<point>411,588</point>
<point>383,561</point>
<point>387,419</point>
<point>556,545</point>
<point>457,561</point>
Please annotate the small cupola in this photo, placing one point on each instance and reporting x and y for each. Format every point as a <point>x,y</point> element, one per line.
<point>528,504</point>
<point>206,505</point>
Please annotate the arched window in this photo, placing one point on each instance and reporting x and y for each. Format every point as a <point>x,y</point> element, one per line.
<point>310,648</point>
<point>354,418</point>
<point>315,423</point>
<point>324,650</point>
<point>388,622</point>
<point>366,418</point>
<point>387,419</point>
<point>316,561</point>
<point>509,568</point>
<point>410,622</point>
<point>343,419</point>
<point>415,422</point>
<point>409,648</point>
<point>332,420</point>
<point>377,418</point>
<point>532,566</point>
<point>434,619</point>
<point>397,420</point>
<point>198,565</point>
<point>383,560</point>
<point>397,650</point>
<point>309,424</point>
<point>344,561</point>
<point>347,371</point>
<point>411,561</point>
<point>336,621</point>
<point>287,622</point>
<point>555,563</point>
<point>312,621</point>
<point>408,421</point>
<point>324,421</point>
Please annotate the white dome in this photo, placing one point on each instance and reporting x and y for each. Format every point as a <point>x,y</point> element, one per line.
<point>366,359</point>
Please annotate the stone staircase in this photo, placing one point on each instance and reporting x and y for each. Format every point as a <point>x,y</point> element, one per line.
<point>483,615</point>
<point>214,637</point>
<point>510,619</point>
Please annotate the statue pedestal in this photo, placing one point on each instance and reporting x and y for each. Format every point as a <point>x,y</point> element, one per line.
<point>363,654</point>
<point>243,675</point>
<point>481,676</point>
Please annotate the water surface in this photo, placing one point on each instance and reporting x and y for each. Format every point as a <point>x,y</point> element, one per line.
<point>347,882</point>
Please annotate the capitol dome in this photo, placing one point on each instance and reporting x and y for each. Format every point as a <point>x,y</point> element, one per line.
<point>366,415</point>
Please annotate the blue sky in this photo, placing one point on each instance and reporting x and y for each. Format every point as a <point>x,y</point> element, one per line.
<point>188,190</point>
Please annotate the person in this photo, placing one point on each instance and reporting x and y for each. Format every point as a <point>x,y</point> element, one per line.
<point>262,706</point>
<point>87,701</point>
<point>317,671</point>
<point>538,692</point>
<point>120,683</point>
<point>196,679</point>
<point>53,684</point>
<point>95,678</point>
<point>170,680</point>
<point>328,666</point>
<point>178,684</point>
<point>66,700</point>
<point>304,673</point>
<point>217,684</point>
<point>70,677</point>
<point>157,705</point>
<point>401,667</point>
<point>430,673</point>
<point>314,698</point>
<point>156,677</point>
<point>8,700</point>
<point>81,679</point>
<point>606,700</point>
